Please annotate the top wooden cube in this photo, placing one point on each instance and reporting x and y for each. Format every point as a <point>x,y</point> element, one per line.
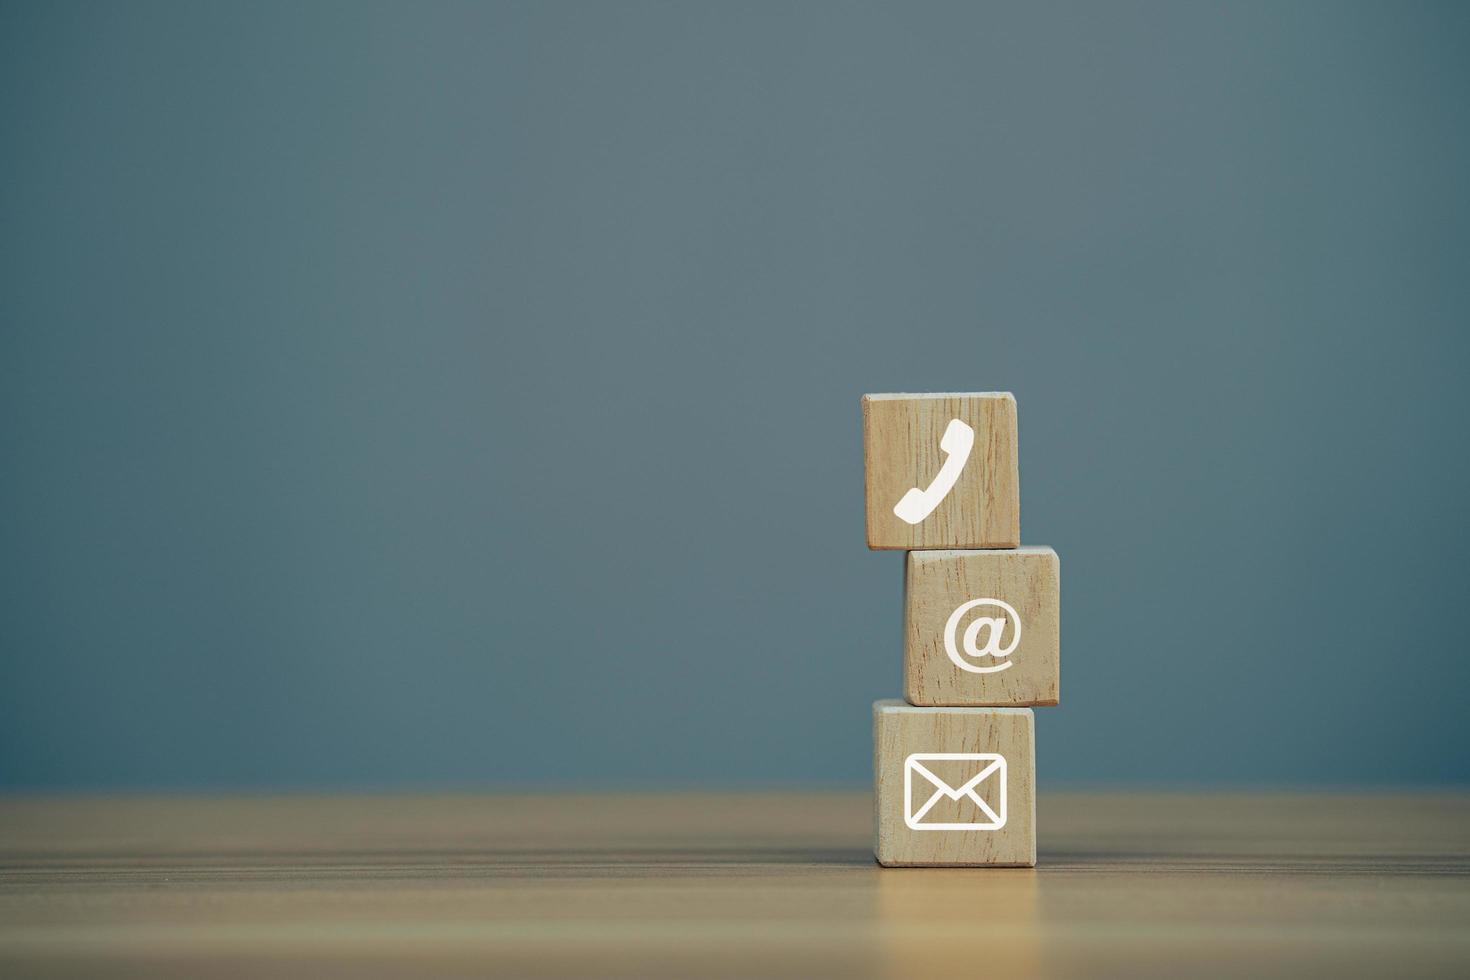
<point>941,471</point>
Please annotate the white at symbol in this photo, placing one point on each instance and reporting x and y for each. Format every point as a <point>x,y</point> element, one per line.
<point>995,630</point>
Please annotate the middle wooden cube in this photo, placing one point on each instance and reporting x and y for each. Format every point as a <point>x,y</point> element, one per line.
<point>982,627</point>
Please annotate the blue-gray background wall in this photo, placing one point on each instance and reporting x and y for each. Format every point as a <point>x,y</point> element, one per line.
<point>467,395</point>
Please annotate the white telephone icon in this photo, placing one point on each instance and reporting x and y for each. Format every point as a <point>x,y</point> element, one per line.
<point>918,504</point>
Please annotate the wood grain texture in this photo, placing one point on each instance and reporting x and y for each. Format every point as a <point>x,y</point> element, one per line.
<point>938,583</point>
<point>902,731</point>
<point>901,436</point>
<point>1356,884</point>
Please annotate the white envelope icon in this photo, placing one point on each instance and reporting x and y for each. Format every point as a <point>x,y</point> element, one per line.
<point>932,789</point>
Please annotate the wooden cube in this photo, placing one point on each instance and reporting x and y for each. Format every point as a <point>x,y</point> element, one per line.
<point>940,471</point>
<point>954,786</point>
<point>982,627</point>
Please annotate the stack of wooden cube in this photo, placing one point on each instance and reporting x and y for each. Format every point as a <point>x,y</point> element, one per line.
<point>954,763</point>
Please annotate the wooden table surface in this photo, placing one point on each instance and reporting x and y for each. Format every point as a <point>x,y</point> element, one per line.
<point>727,885</point>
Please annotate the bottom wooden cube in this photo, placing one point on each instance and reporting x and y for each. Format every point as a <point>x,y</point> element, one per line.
<point>954,787</point>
